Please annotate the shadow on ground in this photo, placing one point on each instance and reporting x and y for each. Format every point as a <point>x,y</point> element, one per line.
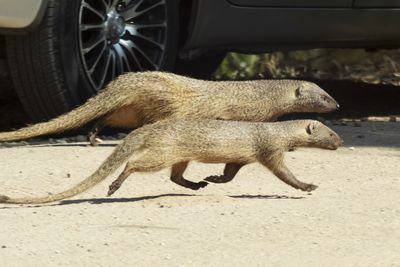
<point>97,201</point>
<point>372,134</point>
<point>136,199</point>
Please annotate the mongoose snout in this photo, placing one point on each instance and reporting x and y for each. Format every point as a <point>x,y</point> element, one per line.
<point>311,94</point>
<point>336,141</point>
<point>322,136</point>
<point>330,102</point>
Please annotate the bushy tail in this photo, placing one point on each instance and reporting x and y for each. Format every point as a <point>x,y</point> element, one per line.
<point>120,154</point>
<point>95,107</point>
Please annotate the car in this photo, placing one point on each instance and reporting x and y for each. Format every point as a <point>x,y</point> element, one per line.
<point>60,53</point>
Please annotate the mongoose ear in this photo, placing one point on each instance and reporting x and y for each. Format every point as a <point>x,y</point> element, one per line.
<point>311,128</point>
<point>299,91</point>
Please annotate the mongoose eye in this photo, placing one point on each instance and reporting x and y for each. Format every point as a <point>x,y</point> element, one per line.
<point>325,98</point>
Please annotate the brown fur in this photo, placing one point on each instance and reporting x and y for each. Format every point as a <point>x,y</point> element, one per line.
<point>177,142</point>
<point>136,99</point>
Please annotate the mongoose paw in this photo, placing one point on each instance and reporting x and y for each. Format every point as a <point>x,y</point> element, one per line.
<point>199,185</point>
<point>217,179</point>
<point>94,141</point>
<point>113,187</point>
<point>308,187</point>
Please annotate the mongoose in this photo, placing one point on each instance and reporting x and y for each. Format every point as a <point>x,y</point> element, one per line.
<point>136,99</point>
<point>176,142</point>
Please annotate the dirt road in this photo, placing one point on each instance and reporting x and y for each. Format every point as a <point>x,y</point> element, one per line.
<point>353,219</point>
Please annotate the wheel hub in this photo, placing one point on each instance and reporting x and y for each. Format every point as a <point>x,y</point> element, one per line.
<point>114,27</point>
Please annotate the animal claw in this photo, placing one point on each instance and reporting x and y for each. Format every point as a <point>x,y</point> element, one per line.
<point>308,187</point>
<point>199,185</point>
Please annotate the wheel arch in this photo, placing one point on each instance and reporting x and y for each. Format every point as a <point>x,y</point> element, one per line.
<point>25,21</point>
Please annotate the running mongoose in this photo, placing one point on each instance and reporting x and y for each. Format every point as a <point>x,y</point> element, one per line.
<point>135,99</point>
<point>176,142</point>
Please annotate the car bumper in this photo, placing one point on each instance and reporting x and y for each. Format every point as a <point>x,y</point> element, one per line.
<point>21,15</point>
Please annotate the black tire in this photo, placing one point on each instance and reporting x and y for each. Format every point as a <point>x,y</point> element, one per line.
<point>202,67</point>
<point>48,65</point>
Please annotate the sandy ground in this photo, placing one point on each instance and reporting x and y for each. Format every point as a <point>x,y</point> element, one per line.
<point>353,219</point>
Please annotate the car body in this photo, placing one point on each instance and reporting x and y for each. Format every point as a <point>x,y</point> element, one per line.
<point>260,25</point>
<point>194,36</point>
<point>21,15</point>
<point>265,25</point>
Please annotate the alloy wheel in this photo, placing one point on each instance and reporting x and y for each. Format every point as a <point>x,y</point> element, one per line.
<point>118,36</point>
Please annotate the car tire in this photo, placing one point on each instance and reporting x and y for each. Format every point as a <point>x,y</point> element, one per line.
<point>55,68</point>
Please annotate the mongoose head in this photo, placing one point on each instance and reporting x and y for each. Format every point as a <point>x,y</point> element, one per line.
<point>311,98</point>
<point>320,136</point>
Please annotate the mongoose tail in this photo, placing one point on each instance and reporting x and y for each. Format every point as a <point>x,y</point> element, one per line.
<point>71,120</point>
<point>121,153</point>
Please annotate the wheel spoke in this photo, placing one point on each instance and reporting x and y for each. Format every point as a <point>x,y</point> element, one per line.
<point>93,10</point>
<point>89,46</point>
<point>123,59</point>
<point>150,25</point>
<point>105,70</point>
<point>148,40</point>
<point>86,27</point>
<point>143,54</point>
<point>94,65</point>
<point>114,64</point>
<point>133,32</point>
<point>162,2</point>
<point>132,29</point>
<point>106,4</point>
<point>128,45</point>
<point>118,66</point>
<point>133,13</point>
<point>114,3</point>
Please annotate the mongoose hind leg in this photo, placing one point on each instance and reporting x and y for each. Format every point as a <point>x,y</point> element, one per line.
<point>177,171</point>
<point>92,136</point>
<point>142,162</point>
<point>118,182</point>
<point>284,174</point>
<point>231,169</point>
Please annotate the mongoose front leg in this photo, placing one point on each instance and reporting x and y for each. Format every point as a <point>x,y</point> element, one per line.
<point>284,174</point>
<point>118,182</point>
<point>177,171</point>
<point>92,136</point>
<point>231,169</point>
